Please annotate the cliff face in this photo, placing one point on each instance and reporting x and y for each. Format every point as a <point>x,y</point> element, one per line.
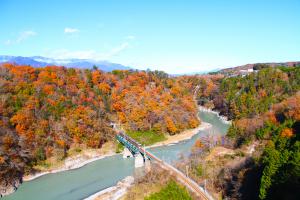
<point>8,187</point>
<point>12,160</point>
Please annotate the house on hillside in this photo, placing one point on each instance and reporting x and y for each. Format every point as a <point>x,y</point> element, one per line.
<point>245,72</point>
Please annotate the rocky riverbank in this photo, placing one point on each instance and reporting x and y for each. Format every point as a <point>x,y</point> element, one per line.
<point>77,161</point>
<point>224,119</point>
<point>8,188</point>
<point>73,162</point>
<point>114,192</point>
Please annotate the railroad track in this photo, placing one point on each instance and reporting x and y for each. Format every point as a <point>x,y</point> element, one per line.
<point>181,177</point>
<point>136,147</point>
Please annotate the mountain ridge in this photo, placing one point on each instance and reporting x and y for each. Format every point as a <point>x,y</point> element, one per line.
<point>40,61</point>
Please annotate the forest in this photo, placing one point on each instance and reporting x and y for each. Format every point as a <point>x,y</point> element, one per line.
<point>264,107</point>
<point>47,111</point>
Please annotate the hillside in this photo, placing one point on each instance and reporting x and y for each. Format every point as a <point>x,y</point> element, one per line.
<point>46,112</point>
<point>264,135</point>
<point>256,66</point>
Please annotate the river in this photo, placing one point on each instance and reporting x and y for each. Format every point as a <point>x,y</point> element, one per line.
<point>101,174</point>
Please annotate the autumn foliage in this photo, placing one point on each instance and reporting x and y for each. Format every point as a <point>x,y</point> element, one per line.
<point>150,101</point>
<point>264,107</point>
<point>46,111</point>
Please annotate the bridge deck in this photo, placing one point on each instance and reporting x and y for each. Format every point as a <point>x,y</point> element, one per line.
<point>130,143</point>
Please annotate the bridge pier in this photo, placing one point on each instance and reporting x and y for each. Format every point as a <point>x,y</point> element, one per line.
<point>147,165</point>
<point>127,153</point>
<point>139,161</point>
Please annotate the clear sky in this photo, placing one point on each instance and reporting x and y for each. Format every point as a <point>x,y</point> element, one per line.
<point>174,36</point>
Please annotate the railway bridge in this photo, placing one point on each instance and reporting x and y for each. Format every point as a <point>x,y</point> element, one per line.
<point>138,151</point>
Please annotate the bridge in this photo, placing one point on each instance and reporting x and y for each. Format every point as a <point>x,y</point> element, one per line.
<point>136,149</point>
<point>133,146</point>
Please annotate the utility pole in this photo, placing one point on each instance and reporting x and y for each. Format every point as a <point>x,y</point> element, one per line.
<point>187,170</point>
<point>145,153</point>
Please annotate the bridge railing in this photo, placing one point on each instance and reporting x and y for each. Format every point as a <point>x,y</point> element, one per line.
<point>129,139</point>
<point>127,143</point>
<point>130,143</point>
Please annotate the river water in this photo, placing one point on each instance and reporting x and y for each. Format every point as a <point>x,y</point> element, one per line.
<point>101,174</point>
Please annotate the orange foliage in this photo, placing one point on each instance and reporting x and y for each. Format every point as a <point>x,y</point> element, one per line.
<point>122,117</point>
<point>55,107</point>
<point>117,106</point>
<point>7,140</point>
<point>270,116</point>
<point>61,143</point>
<point>96,75</point>
<point>170,125</point>
<point>21,129</point>
<point>21,72</point>
<point>142,102</point>
<point>104,87</point>
<point>48,89</point>
<point>198,144</point>
<point>2,160</point>
<point>287,132</point>
<point>193,123</point>
<point>210,86</point>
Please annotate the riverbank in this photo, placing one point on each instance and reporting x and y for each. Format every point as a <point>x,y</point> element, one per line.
<point>74,162</point>
<point>184,135</point>
<point>224,119</point>
<point>87,156</point>
<point>120,190</point>
<point>91,155</point>
<point>112,165</point>
<point>114,192</point>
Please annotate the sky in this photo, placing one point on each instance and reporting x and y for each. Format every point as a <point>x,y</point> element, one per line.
<point>175,36</point>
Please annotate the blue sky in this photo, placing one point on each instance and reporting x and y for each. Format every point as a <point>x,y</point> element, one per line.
<point>174,36</point>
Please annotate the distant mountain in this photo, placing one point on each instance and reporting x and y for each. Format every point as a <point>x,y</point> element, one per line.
<point>39,61</point>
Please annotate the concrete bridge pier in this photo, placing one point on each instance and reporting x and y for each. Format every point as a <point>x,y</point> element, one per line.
<point>147,165</point>
<point>127,153</point>
<point>139,160</point>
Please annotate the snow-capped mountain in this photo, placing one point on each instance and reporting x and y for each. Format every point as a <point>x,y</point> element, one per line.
<point>39,61</point>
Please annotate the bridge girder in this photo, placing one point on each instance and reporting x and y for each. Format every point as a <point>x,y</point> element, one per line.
<point>131,147</point>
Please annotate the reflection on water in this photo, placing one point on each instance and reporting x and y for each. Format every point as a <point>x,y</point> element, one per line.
<point>98,175</point>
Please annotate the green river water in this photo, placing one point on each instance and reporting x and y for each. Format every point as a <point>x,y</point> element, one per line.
<point>101,174</point>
